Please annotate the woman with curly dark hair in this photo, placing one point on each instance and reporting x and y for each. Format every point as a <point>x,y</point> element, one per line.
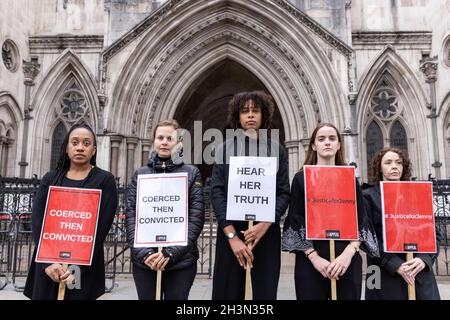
<point>238,245</point>
<point>392,164</point>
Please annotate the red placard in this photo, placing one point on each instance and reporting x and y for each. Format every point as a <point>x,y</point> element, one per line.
<point>330,198</point>
<point>69,226</point>
<point>408,217</point>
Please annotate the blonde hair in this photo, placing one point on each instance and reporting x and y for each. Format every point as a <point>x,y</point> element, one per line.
<point>166,123</point>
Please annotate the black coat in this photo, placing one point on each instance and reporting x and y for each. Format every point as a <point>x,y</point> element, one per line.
<point>294,230</point>
<point>393,287</point>
<point>39,285</point>
<point>180,256</point>
<point>229,276</point>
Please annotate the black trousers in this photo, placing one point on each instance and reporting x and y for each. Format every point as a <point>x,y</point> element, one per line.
<point>311,285</point>
<point>175,285</point>
<point>229,276</point>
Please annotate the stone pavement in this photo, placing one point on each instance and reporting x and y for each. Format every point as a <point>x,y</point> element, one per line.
<point>201,290</point>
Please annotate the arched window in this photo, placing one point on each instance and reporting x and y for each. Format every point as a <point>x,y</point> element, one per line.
<point>374,141</point>
<point>398,137</point>
<point>57,140</point>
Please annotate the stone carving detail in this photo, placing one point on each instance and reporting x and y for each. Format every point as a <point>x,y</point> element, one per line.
<point>384,104</point>
<point>73,106</point>
<point>429,68</point>
<point>10,55</point>
<point>30,70</point>
<point>228,36</point>
<point>447,52</point>
<point>170,7</point>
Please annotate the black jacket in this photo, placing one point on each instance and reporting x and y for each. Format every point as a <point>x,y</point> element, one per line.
<point>219,180</point>
<point>39,285</point>
<point>392,284</point>
<point>180,256</point>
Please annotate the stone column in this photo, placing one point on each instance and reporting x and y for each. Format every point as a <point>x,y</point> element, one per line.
<point>115,145</point>
<point>146,143</point>
<point>429,67</point>
<point>30,71</point>
<point>1,158</point>
<point>131,148</point>
<point>293,157</point>
<point>5,147</point>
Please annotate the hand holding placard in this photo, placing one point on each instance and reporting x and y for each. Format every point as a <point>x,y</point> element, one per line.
<point>255,233</point>
<point>408,223</point>
<point>331,213</point>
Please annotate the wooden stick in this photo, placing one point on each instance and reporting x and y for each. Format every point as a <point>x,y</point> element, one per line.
<point>411,287</point>
<point>248,273</point>
<point>62,285</point>
<point>158,280</point>
<point>333,281</point>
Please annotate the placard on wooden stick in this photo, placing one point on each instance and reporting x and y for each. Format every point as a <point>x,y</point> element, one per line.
<point>251,194</point>
<point>162,210</point>
<point>162,213</point>
<point>252,189</point>
<point>330,198</point>
<point>408,217</point>
<point>69,227</point>
<point>331,209</point>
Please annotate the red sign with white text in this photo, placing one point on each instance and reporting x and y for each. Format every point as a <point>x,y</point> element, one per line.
<point>408,217</point>
<point>69,226</point>
<point>330,200</point>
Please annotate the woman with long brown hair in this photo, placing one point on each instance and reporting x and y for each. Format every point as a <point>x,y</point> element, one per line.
<point>392,164</point>
<point>313,269</point>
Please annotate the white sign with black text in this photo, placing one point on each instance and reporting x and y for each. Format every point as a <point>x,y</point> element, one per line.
<point>251,189</point>
<point>161,210</point>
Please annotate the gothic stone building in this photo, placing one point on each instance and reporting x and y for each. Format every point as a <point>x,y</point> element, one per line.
<point>379,70</point>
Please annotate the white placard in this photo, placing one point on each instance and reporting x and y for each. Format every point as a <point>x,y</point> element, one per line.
<point>161,210</point>
<point>251,189</point>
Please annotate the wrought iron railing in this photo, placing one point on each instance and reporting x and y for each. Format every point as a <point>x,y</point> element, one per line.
<point>16,244</point>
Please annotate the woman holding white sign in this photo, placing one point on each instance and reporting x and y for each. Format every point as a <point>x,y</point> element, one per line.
<point>313,269</point>
<point>179,263</point>
<point>238,246</point>
<point>76,169</point>
<point>395,272</point>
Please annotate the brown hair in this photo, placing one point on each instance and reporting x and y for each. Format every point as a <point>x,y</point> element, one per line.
<point>166,123</point>
<point>311,156</point>
<point>376,173</point>
<point>260,99</point>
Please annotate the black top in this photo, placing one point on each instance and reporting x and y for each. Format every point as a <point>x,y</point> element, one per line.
<point>39,285</point>
<point>219,180</point>
<point>180,256</point>
<point>294,231</point>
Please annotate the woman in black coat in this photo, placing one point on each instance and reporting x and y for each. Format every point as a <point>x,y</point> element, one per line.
<point>237,245</point>
<point>179,263</point>
<point>313,269</point>
<point>391,164</point>
<point>76,169</point>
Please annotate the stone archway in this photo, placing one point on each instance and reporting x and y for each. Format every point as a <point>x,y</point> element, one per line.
<point>10,117</point>
<point>390,70</point>
<point>67,73</point>
<point>207,99</point>
<point>300,64</point>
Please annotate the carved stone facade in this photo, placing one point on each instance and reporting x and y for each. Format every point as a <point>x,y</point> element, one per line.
<point>122,66</point>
